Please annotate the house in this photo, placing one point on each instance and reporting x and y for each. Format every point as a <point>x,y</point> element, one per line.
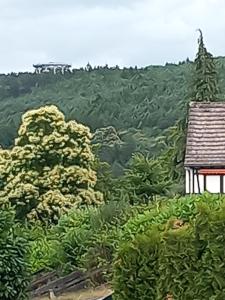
<point>205,148</point>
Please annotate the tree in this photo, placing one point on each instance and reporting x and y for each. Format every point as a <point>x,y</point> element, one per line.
<point>173,154</point>
<point>205,79</point>
<point>144,179</point>
<point>114,149</point>
<point>49,169</point>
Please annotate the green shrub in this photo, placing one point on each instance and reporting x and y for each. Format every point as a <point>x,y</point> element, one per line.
<point>89,236</point>
<point>101,249</point>
<point>144,179</point>
<point>136,268</point>
<point>184,208</point>
<point>179,257</point>
<point>210,233</point>
<point>13,266</point>
<point>178,264</point>
<point>75,218</point>
<point>45,253</point>
<point>84,238</point>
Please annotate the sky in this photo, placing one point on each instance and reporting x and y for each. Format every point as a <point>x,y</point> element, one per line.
<point>113,32</point>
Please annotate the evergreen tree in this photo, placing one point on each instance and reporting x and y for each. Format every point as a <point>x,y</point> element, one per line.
<point>144,179</point>
<point>205,82</point>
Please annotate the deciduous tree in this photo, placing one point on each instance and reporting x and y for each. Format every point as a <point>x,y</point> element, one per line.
<point>49,169</point>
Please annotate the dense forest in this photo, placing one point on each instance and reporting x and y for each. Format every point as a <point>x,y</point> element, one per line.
<point>128,109</point>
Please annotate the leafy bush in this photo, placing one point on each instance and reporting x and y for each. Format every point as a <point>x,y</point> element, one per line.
<point>13,265</point>
<point>136,268</point>
<point>84,238</point>
<point>185,208</point>
<point>45,252</point>
<point>181,258</point>
<point>89,235</point>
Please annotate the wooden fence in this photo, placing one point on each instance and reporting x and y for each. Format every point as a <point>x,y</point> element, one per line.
<point>72,282</point>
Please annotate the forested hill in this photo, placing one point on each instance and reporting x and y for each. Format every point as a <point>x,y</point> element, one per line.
<point>139,103</point>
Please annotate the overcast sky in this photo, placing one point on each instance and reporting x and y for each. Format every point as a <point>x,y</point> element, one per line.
<point>116,32</point>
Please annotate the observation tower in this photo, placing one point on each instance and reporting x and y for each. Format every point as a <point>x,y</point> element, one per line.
<point>52,66</point>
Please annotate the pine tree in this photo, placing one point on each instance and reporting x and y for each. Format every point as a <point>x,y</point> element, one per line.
<point>205,79</point>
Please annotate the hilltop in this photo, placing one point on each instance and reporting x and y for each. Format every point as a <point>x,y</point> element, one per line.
<point>139,105</point>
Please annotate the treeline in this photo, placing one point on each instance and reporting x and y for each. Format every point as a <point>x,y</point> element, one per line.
<point>148,100</point>
<point>138,104</point>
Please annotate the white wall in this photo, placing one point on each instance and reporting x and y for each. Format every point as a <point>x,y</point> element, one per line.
<point>201,184</point>
<point>187,182</point>
<point>213,183</point>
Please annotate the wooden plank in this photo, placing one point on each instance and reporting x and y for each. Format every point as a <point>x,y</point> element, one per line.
<point>43,280</point>
<point>71,282</point>
<point>59,282</point>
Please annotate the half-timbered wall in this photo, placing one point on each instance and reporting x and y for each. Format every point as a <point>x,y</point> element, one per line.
<point>198,183</point>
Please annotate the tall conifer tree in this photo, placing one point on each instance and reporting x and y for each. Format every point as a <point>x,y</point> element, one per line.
<point>205,79</point>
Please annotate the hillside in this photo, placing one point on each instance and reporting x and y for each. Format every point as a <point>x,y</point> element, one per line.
<point>139,104</point>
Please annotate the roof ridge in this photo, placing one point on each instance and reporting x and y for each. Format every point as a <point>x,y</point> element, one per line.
<point>203,103</point>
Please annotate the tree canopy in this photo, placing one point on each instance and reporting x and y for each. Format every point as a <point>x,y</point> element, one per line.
<point>144,179</point>
<point>49,168</point>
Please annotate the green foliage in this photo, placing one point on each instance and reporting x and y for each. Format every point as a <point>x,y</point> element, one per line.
<point>89,236</point>
<point>106,182</point>
<point>138,103</point>
<point>45,250</point>
<point>84,238</point>
<point>185,208</point>
<point>49,169</point>
<point>136,269</point>
<point>172,157</point>
<point>206,81</point>
<point>178,264</point>
<point>185,261</point>
<point>115,148</point>
<point>14,269</point>
<point>144,179</point>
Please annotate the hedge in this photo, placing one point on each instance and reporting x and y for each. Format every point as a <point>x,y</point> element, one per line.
<point>136,268</point>
<point>184,208</point>
<point>177,260</point>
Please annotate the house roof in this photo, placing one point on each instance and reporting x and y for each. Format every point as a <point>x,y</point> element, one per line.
<point>205,145</point>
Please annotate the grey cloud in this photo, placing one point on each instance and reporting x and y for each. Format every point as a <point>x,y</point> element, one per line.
<point>124,32</point>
